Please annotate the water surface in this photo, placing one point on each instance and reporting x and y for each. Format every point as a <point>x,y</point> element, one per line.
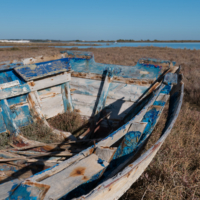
<point>186,45</point>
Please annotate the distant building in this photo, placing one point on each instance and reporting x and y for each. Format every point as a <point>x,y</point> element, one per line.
<point>16,41</point>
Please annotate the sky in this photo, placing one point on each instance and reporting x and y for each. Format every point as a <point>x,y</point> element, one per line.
<point>100,19</point>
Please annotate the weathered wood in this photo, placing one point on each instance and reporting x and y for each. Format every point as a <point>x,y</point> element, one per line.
<point>5,188</point>
<point>43,69</point>
<point>128,92</point>
<point>57,154</point>
<point>105,153</point>
<point>104,91</point>
<point>171,78</point>
<point>39,116</point>
<point>73,176</point>
<point>85,66</point>
<point>9,84</point>
<point>134,140</point>
<point>115,136</point>
<point>130,140</point>
<point>29,190</point>
<point>139,117</point>
<point>14,91</point>
<point>116,79</point>
<point>92,128</point>
<point>53,153</point>
<point>49,81</point>
<point>7,116</point>
<point>66,95</point>
<point>116,186</point>
<point>84,104</point>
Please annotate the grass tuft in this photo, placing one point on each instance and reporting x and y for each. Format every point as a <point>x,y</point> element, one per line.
<point>4,140</point>
<point>14,49</point>
<point>69,121</point>
<point>39,132</point>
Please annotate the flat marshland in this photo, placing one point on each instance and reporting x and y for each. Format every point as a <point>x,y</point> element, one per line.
<point>174,173</point>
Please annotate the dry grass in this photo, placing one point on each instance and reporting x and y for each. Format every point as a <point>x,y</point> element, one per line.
<point>69,121</point>
<point>38,132</point>
<point>4,140</point>
<point>174,173</point>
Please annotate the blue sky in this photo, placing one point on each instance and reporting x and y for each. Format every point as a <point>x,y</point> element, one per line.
<point>100,19</point>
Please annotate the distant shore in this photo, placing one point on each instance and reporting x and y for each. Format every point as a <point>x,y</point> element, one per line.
<point>151,41</point>
<point>89,43</point>
<point>44,44</point>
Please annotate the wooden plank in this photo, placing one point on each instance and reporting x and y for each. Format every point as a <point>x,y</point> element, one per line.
<point>57,154</point>
<point>139,117</point>
<point>9,84</point>
<point>52,106</point>
<point>117,79</point>
<point>171,78</point>
<point>6,154</point>
<point>49,92</point>
<point>5,188</point>
<point>129,92</point>
<point>8,120</point>
<point>43,69</point>
<point>2,123</point>
<point>20,142</point>
<point>117,108</point>
<point>53,153</point>
<point>104,91</point>
<point>105,153</point>
<point>126,148</point>
<point>73,176</point>
<point>14,91</point>
<point>29,190</point>
<point>85,66</point>
<point>56,169</point>
<point>85,105</point>
<point>66,96</point>
<point>50,81</point>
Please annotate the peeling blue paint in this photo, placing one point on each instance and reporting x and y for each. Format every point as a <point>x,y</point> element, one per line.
<point>17,99</point>
<point>171,78</point>
<point>128,144</point>
<point>21,116</point>
<point>83,65</point>
<point>105,89</point>
<point>14,91</point>
<point>101,162</point>
<point>9,66</point>
<point>2,124</point>
<point>7,167</point>
<point>39,70</point>
<point>159,103</point>
<point>22,192</point>
<point>7,115</point>
<point>166,89</point>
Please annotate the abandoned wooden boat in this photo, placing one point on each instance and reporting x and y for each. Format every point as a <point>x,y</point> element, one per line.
<point>123,105</point>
